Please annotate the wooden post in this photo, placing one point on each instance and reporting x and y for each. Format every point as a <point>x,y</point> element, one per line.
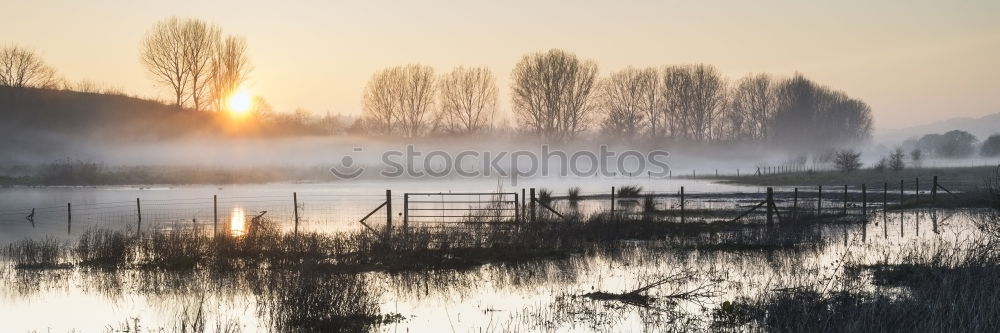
<point>934,190</point>
<point>69,218</point>
<point>517,211</point>
<point>737,172</point>
<point>716,173</point>
<point>795,204</point>
<point>406,209</point>
<point>819,202</point>
<point>864,201</point>
<point>916,188</point>
<point>524,205</point>
<point>770,202</point>
<point>215,214</point>
<point>388,211</point>
<point>534,215</point>
<point>694,174</point>
<point>612,200</point>
<point>138,213</point>
<point>295,204</point>
<point>845,200</point>
<point>682,204</point>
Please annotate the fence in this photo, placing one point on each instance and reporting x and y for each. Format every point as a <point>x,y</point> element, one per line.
<point>322,212</point>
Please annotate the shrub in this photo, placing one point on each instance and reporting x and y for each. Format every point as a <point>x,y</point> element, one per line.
<point>847,160</point>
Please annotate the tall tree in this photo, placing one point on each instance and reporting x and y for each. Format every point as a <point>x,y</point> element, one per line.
<point>162,53</point>
<point>229,70</point>
<point>693,96</point>
<point>200,41</point>
<point>551,93</point>
<point>624,97</point>
<point>468,100</point>
<point>22,68</point>
<point>380,103</point>
<point>400,99</point>
<point>751,107</point>
<point>416,100</point>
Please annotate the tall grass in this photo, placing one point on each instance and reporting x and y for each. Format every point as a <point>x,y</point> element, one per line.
<point>36,254</point>
<point>629,191</point>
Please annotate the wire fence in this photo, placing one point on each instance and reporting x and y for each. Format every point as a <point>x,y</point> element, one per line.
<point>331,212</point>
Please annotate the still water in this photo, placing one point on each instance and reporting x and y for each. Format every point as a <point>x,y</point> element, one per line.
<point>538,296</point>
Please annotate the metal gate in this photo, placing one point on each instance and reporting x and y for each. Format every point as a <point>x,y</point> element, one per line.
<point>421,208</point>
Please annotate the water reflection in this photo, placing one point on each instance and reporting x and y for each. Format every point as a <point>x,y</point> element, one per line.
<point>237,222</point>
<point>541,295</point>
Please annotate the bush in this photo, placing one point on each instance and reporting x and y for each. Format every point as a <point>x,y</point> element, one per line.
<point>896,162</point>
<point>847,160</point>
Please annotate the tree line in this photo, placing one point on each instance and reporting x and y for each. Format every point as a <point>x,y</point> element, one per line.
<point>556,96</point>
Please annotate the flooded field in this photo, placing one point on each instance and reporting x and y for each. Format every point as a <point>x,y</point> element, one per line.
<point>322,207</point>
<point>703,276</point>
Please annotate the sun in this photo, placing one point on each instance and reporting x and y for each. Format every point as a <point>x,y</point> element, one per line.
<point>240,102</point>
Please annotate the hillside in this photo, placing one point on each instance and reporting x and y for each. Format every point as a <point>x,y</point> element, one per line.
<point>981,127</point>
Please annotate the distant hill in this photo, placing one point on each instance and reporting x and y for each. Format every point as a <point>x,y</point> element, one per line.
<point>31,112</point>
<point>981,127</point>
<point>45,124</point>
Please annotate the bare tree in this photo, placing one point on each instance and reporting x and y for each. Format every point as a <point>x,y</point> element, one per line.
<point>229,70</point>
<point>199,45</point>
<point>380,102</point>
<point>162,52</point>
<point>625,97</point>
<point>551,93</point>
<point>400,99</point>
<point>416,99</point>
<point>752,103</point>
<point>22,68</point>
<point>693,97</point>
<point>468,100</point>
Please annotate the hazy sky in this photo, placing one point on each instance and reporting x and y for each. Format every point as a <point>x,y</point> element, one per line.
<point>913,61</point>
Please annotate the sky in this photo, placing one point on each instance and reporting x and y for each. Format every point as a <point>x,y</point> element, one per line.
<point>914,62</point>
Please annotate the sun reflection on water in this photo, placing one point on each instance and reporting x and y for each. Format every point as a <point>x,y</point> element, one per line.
<point>237,222</point>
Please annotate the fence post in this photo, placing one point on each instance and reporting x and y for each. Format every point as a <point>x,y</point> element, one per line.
<point>716,173</point>
<point>215,213</point>
<point>388,212</point>
<point>934,190</point>
<point>770,202</point>
<point>69,218</point>
<point>795,204</point>
<point>138,213</point>
<point>534,215</point>
<point>694,174</point>
<point>524,205</point>
<point>612,200</point>
<point>845,200</point>
<point>737,172</point>
<point>295,203</point>
<point>864,201</point>
<point>682,204</point>
<point>406,209</point>
<point>819,202</point>
<point>916,188</point>
<point>517,205</point>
